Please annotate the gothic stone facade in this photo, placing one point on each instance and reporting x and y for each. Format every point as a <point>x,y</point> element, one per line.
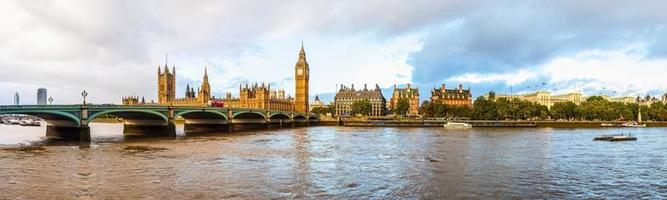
<point>346,96</point>
<point>454,97</point>
<point>301,77</point>
<point>167,90</point>
<point>409,93</point>
<point>260,97</point>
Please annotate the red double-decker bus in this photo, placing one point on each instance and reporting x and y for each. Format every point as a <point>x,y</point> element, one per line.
<point>216,103</point>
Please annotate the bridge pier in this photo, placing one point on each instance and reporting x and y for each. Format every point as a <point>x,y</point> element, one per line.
<point>203,128</point>
<point>68,133</point>
<point>168,130</point>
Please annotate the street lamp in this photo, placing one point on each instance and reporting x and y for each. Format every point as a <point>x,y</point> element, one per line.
<point>50,100</point>
<point>84,94</point>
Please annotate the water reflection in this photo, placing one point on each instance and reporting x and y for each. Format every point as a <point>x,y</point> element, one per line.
<point>336,162</point>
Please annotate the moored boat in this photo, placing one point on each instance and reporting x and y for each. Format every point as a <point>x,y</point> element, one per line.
<point>457,125</point>
<point>633,124</point>
<point>30,122</point>
<point>13,122</point>
<point>609,125</point>
<point>637,124</point>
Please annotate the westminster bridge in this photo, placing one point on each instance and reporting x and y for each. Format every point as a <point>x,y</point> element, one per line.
<point>72,121</point>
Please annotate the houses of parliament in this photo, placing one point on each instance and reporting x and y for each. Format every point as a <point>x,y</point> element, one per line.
<point>255,96</point>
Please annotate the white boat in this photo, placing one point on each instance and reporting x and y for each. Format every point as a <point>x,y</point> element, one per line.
<point>607,125</point>
<point>457,125</point>
<point>30,122</point>
<point>13,122</point>
<point>637,124</point>
<point>633,124</point>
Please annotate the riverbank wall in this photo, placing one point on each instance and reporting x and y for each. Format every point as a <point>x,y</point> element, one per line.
<point>478,123</point>
<point>440,123</point>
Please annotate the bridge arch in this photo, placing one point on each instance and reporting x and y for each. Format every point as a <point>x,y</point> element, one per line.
<point>299,117</point>
<point>310,118</point>
<point>133,115</point>
<point>248,115</point>
<point>206,114</point>
<point>279,116</point>
<point>64,118</point>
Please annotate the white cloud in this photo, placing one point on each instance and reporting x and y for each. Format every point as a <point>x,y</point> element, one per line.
<point>619,72</point>
<point>622,72</point>
<point>513,78</point>
<point>112,48</point>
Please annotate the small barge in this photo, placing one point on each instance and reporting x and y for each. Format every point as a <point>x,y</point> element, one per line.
<point>615,138</point>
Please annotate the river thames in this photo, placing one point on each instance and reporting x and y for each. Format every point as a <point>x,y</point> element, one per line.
<point>336,162</point>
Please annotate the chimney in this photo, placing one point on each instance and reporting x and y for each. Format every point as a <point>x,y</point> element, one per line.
<point>460,87</point>
<point>442,89</point>
<point>352,87</point>
<point>408,85</point>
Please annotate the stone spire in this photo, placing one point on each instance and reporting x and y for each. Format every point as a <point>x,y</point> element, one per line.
<point>302,53</point>
<point>166,62</point>
<point>205,89</point>
<point>206,75</point>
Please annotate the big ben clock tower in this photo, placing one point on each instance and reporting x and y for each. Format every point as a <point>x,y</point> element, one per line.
<point>302,74</point>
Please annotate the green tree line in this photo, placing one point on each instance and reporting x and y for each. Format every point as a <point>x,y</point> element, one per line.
<point>594,108</point>
<point>492,108</point>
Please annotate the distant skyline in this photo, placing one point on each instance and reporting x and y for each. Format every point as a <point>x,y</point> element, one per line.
<point>113,48</point>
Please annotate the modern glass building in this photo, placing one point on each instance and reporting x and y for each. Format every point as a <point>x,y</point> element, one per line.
<point>16,99</point>
<point>41,96</point>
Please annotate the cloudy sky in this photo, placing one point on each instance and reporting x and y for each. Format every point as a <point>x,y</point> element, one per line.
<point>113,48</point>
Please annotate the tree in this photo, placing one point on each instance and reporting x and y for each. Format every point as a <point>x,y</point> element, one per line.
<point>504,108</point>
<point>426,109</point>
<point>563,110</point>
<point>484,109</point>
<point>658,111</point>
<point>322,110</point>
<point>402,106</point>
<point>362,107</point>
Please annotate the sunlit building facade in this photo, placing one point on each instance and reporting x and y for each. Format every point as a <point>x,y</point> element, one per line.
<point>346,96</point>
<point>545,98</point>
<point>260,96</point>
<point>452,97</point>
<point>408,93</point>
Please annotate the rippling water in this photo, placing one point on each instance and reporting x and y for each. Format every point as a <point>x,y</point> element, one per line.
<point>336,162</point>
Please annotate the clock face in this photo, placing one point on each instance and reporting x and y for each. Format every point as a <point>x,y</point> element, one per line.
<point>299,71</point>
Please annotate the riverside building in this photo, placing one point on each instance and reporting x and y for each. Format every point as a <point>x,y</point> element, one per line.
<point>262,97</point>
<point>348,95</point>
<point>258,96</point>
<point>316,104</point>
<point>452,97</point>
<point>545,98</point>
<point>166,91</point>
<point>408,93</point>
